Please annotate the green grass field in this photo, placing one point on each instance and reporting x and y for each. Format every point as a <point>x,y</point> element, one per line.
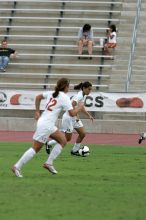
<point>110,184</point>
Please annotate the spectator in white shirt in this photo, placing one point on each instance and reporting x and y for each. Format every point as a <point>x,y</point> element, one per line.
<point>112,40</point>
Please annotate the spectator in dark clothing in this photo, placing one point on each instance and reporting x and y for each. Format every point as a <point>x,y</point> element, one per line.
<point>5,55</point>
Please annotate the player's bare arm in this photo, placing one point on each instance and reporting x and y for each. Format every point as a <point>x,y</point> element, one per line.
<point>37,106</point>
<point>88,114</point>
<point>74,112</point>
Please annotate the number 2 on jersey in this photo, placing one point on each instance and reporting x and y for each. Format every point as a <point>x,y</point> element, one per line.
<point>50,104</point>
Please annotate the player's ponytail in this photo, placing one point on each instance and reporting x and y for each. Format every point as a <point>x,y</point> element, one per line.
<point>78,87</point>
<point>83,85</point>
<point>56,93</point>
<point>61,85</point>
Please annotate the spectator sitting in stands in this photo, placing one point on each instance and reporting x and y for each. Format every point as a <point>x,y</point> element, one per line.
<point>85,36</point>
<point>5,55</point>
<point>112,40</point>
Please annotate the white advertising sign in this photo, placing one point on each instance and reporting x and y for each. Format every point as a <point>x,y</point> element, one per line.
<point>96,101</point>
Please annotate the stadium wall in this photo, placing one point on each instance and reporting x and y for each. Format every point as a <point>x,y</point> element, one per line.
<point>98,126</point>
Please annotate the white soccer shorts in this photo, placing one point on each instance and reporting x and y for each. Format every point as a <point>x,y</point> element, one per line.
<point>43,131</point>
<point>69,124</point>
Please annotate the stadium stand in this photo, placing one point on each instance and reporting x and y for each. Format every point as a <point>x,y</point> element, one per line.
<point>119,71</point>
<point>118,77</point>
<point>45,36</point>
<point>138,76</point>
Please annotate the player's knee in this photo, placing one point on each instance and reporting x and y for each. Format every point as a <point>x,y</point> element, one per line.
<point>82,135</point>
<point>63,142</point>
<point>68,138</point>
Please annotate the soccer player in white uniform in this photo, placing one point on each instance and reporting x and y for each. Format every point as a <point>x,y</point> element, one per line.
<point>70,123</point>
<point>56,102</point>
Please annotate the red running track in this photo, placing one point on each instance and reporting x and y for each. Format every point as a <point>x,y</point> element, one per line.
<point>114,139</point>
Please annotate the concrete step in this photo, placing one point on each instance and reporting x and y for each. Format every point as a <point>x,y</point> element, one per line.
<point>31,41</point>
<point>137,88</point>
<point>139,67</point>
<point>22,80</point>
<point>23,22</point>
<point>138,83</point>
<point>119,87</point>
<point>23,69</point>
<point>75,60</point>
<point>134,78</point>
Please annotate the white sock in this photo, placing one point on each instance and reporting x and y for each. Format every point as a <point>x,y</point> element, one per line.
<point>76,147</point>
<point>52,142</point>
<point>144,135</point>
<point>54,154</point>
<point>28,155</point>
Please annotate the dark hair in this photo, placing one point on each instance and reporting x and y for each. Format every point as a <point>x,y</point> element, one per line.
<point>60,86</point>
<point>4,40</point>
<point>113,27</point>
<point>82,85</point>
<point>86,27</point>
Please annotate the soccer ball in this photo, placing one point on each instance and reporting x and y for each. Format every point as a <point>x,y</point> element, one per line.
<point>84,151</point>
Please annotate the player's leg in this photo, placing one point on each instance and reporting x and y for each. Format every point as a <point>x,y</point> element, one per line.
<point>78,126</point>
<point>52,142</point>
<point>61,142</point>
<point>81,135</point>
<point>66,128</point>
<point>142,137</point>
<point>27,156</point>
<point>39,139</point>
<point>49,145</point>
<point>68,136</point>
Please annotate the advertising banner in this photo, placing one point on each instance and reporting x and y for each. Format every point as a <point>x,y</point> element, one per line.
<point>96,101</point>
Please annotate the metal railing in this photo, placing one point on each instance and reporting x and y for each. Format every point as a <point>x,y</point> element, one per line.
<point>133,43</point>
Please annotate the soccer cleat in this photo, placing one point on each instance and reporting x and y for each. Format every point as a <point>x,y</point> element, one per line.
<point>141,138</point>
<point>48,148</point>
<point>50,168</point>
<point>16,172</point>
<point>75,153</point>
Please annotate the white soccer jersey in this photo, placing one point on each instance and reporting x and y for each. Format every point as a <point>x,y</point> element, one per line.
<point>55,105</point>
<point>68,122</point>
<point>46,123</point>
<point>78,98</point>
